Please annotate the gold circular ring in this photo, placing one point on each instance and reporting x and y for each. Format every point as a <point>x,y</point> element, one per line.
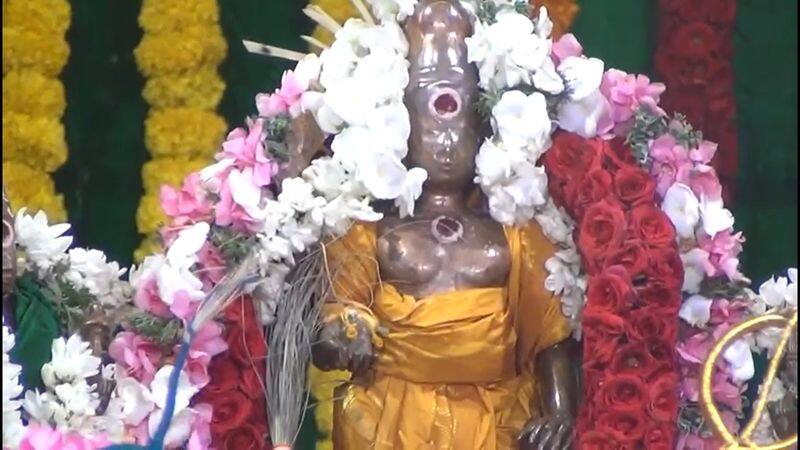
<point>707,400</point>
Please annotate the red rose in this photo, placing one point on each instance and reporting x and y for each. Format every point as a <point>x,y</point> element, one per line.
<point>660,349</point>
<point>663,404</point>
<point>230,410</point>
<point>252,381</point>
<point>652,226</point>
<point>601,440</point>
<point>657,291</point>
<point>659,437</point>
<point>571,156</point>
<point>245,437</point>
<point>634,186</point>
<point>654,322</point>
<point>611,291</point>
<point>624,392</point>
<point>246,342</point>
<point>632,359</point>
<point>696,40</point>
<point>593,381</point>
<point>666,265</point>
<point>602,332</point>
<point>624,426</point>
<point>619,155</point>
<point>224,375</point>
<point>593,187</point>
<point>601,232</point>
<point>632,256</point>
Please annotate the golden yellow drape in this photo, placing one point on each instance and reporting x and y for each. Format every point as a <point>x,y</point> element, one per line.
<point>454,371</point>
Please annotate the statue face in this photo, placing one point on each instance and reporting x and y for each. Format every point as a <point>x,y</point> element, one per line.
<point>441,94</point>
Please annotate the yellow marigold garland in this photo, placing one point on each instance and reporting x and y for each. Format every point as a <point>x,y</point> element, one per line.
<point>562,13</point>
<point>179,54</point>
<point>34,53</point>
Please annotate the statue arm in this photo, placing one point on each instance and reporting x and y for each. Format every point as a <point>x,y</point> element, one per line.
<point>558,379</point>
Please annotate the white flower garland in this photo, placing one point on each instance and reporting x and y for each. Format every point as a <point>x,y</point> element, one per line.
<point>13,430</point>
<point>42,250</point>
<point>69,402</point>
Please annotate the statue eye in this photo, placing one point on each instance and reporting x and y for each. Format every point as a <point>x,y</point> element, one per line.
<point>445,103</point>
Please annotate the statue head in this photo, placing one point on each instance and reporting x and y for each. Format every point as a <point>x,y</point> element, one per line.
<point>441,94</point>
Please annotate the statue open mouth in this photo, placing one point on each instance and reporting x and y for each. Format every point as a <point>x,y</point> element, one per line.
<point>445,103</point>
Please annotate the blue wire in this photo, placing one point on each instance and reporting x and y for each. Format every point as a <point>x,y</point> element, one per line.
<point>157,443</point>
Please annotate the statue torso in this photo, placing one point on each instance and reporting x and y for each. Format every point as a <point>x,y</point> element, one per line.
<point>412,259</point>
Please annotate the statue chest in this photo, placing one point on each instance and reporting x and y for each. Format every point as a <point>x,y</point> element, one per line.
<point>417,263</point>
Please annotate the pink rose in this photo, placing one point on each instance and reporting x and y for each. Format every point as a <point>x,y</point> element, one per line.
<point>137,356</point>
<point>187,204</point>
<point>147,298</point>
<point>228,213</point>
<point>671,163</point>
<point>565,47</point>
<point>704,182</point>
<point>208,342</point>
<point>283,100</point>
<point>39,437</point>
<point>704,152</point>
<point>200,437</point>
<point>212,265</point>
<point>723,250</point>
<point>247,149</point>
<point>626,93</point>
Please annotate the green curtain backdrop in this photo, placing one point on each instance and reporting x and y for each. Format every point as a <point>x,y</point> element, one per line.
<point>105,111</point>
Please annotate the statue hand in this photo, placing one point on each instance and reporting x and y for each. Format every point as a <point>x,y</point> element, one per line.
<point>333,350</point>
<point>552,432</point>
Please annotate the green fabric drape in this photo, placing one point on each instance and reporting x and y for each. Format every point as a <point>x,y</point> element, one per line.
<point>37,326</point>
<point>104,120</point>
<point>766,89</point>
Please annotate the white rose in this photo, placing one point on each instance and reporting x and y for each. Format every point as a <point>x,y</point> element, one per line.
<point>581,75</point>
<point>583,117</point>
<point>696,310</point>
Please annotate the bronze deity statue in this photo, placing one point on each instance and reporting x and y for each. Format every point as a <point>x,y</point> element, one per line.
<point>443,318</point>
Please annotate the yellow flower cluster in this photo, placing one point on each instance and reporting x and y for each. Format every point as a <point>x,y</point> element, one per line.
<point>34,53</point>
<point>179,54</point>
<point>322,386</point>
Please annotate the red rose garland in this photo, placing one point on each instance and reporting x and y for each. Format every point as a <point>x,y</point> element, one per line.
<point>236,389</point>
<point>630,323</point>
<point>694,57</point>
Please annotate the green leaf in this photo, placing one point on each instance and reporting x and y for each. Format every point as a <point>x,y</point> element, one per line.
<point>37,326</point>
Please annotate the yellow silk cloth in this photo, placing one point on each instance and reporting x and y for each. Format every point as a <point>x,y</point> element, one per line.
<point>455,369</point>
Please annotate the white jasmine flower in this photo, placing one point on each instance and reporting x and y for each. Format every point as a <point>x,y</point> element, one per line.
<point>715,217</point>
<point>43,244</point>
<point>392,123</point>
<point>180,427</point>
<point>740,358</point>
<point>411,190</point>
<point>682,208</point>
<point>307,70</point>
<point>326,176</point>
<point>300,235</point>
<point>584,117</point>
<point>298,194</point>
<point>390,10</point>
<point>88,269</point>
<point>12,418</point>
<point>383,174</point>
<point>132,402</point>
<point>77,397</point>
<point>775,292</point>
<point>694,269</point>
<point>582,76</point>
<point>245,193</point>
<point>696,311</point>
<point>555,223</point>
<point>492,164</point>
<point>522,121</point>
<point>160,385</point>
<point>547,79</point>
<point>791,291</point>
